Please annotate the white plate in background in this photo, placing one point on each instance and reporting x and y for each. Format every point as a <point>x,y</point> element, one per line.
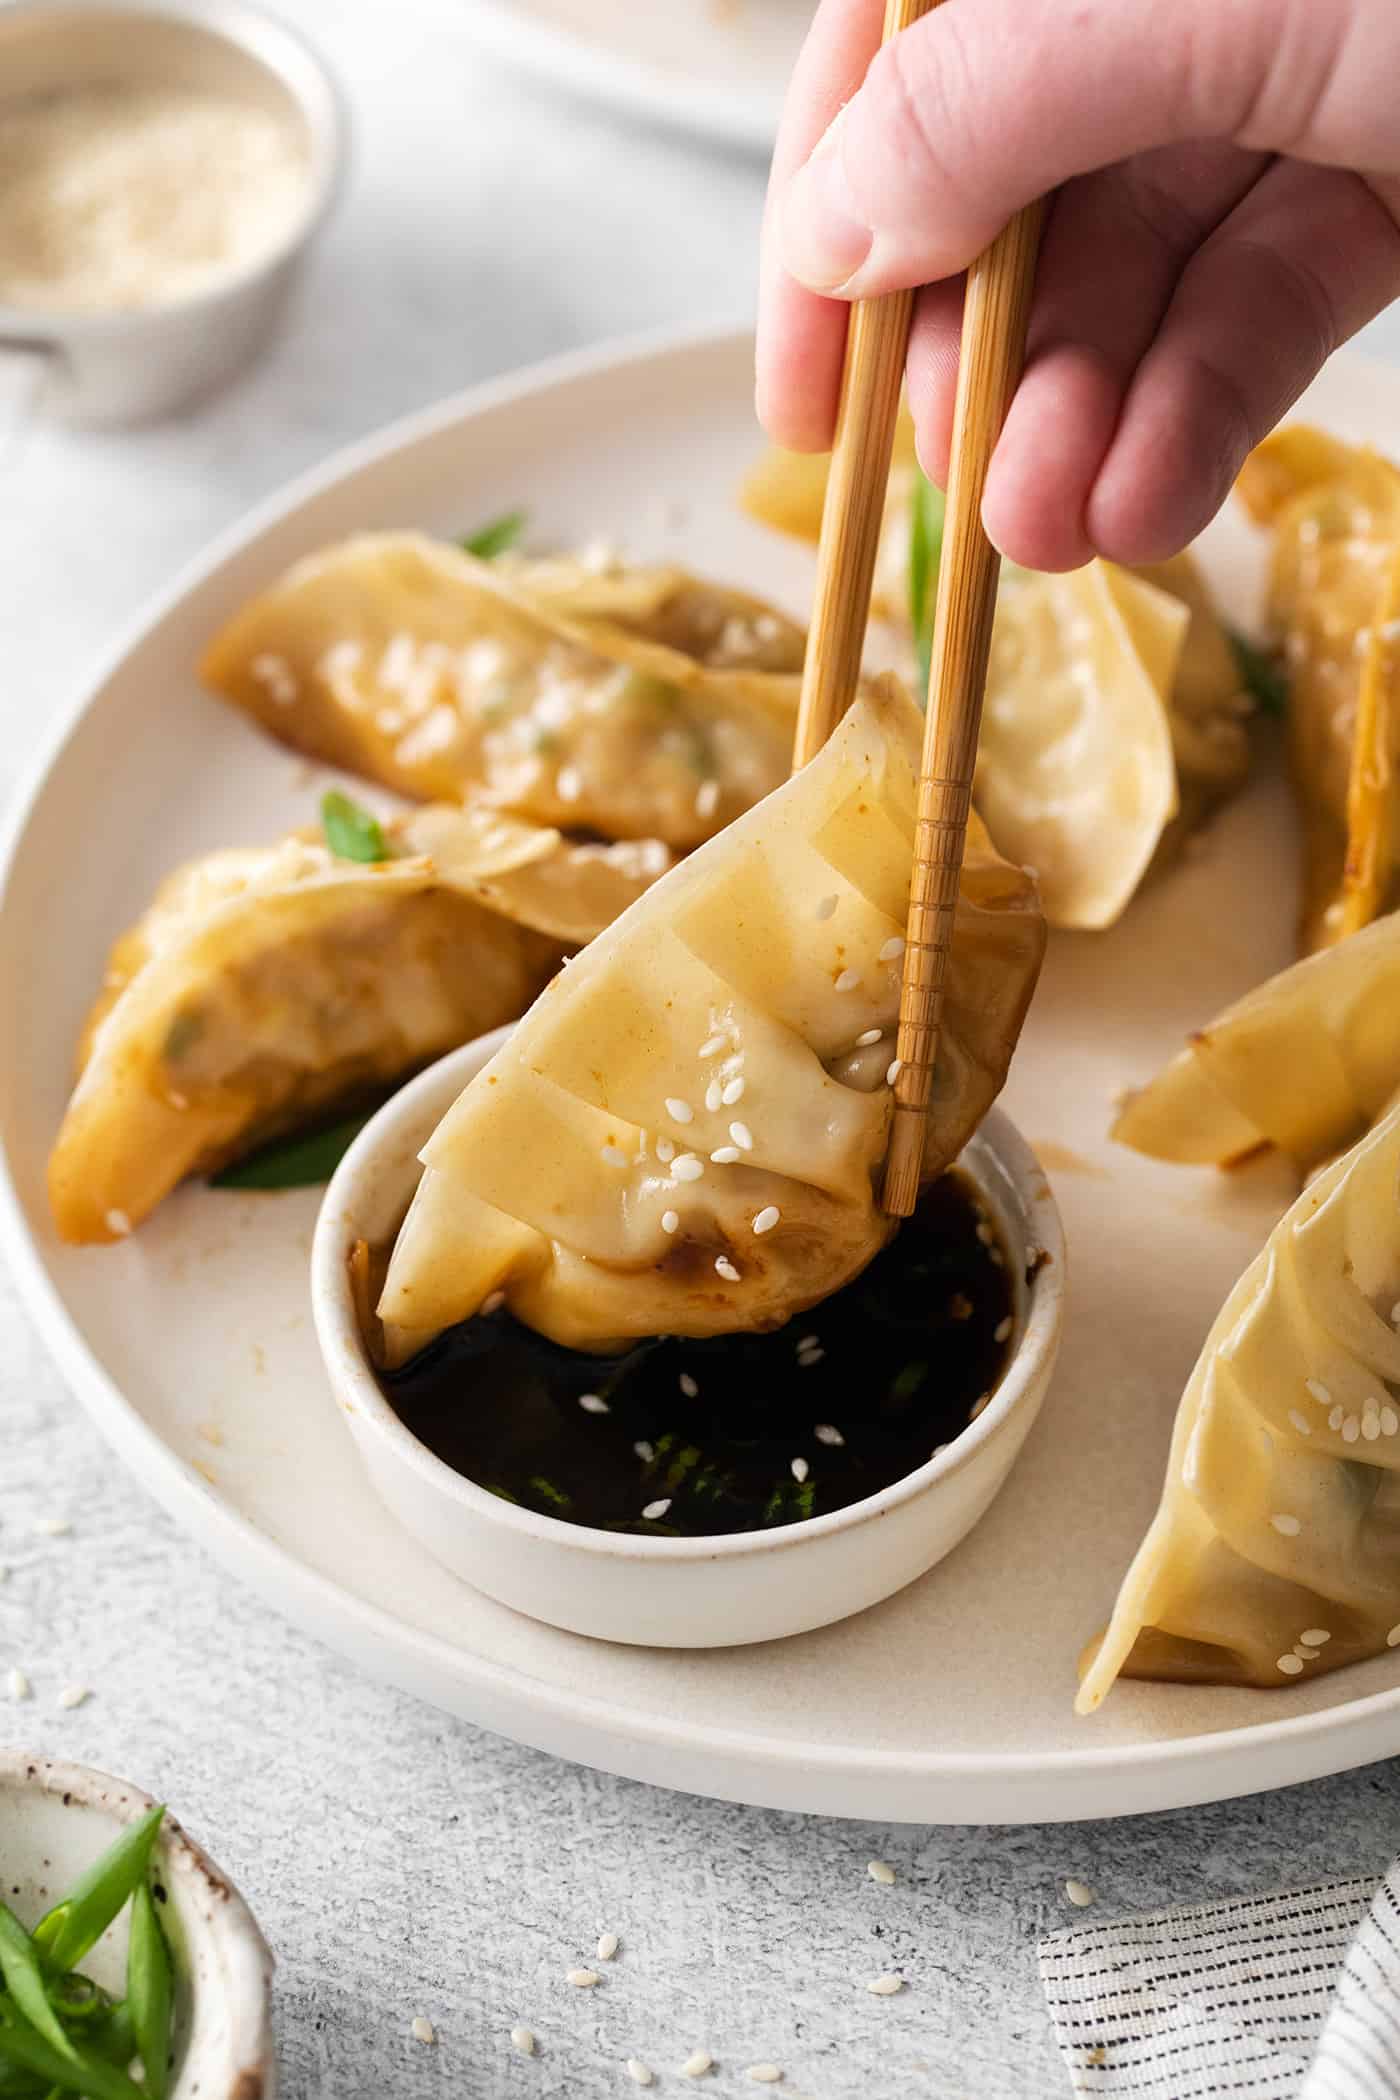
<point>716,67</point>
<point>952,1702</point>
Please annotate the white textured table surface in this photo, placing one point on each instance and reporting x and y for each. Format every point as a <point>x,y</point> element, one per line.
<point>401,1863</point>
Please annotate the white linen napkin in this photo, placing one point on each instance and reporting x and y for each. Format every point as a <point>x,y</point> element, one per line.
<point>1289,1997</point>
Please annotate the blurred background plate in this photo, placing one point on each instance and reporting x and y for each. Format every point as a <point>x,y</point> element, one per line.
<point>716,67</point>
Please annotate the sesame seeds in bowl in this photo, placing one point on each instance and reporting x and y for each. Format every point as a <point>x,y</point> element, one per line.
<point>643,1586</point>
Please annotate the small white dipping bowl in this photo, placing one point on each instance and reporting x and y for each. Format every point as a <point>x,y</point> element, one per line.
<point>55,1820</point>
<point>691,1592</point>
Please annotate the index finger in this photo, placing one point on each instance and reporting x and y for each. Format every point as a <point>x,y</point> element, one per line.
<point>801,335</point>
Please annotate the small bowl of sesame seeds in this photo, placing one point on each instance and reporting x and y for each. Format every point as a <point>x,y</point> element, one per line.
<point>779,1482</point>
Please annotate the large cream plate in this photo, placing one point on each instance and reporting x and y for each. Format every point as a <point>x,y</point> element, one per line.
<point>950,1703</point>
<point>715,67</point>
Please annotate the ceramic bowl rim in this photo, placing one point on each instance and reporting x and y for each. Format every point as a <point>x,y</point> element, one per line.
<point>246,1992</point>
<point>357,1389</point>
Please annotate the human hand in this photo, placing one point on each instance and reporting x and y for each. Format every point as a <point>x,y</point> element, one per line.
<point>1227,211</point>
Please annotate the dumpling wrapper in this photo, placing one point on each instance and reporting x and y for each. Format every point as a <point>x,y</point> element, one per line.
<point>265,985</point>
<point>753,969</point>
<point>1114,718</point>
<point>1334,611</point>
<point>636,703</point>
<point>1305,1061</point>
<point>1275,1553</point>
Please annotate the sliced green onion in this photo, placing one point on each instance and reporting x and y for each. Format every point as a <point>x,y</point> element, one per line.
<point>149,1991</point>
<point>24,1980</point>
<point>926,509</point>
<point>301,1162</point>
<point>495,538</point>
<point>352,833</point>
<point>65,1934</point>
<point>1262,676</point>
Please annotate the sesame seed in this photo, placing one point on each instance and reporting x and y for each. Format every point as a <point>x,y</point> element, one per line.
<point>828,1433</point>
<point>1288,1526</point>
<point>1370,1425</point>
<point>733,1092</point>
<point>688,1167</point>
<point>689,1387</point>
<point>17,1684</point>
<point>118,1222</point>
<point>74,1695</point>
<point>1002,1329</point>
<point>646,1452</point>
<point>523,2039</point>
<point>584,1979</point>
<point>742,1136</point>
<point>637,2071</point>
<point>652,1514</point>
<point>494,1303</point>
<point>568,783</point>
<point>423,2029</point>
<point>1291,1665</point>
<point>847,981</point>
<point>1336,1418</point>
<point>827,908</point>
<point>893,1070</point>
<point>726,1155</point>
<point>669,1220</point>
<point>1392,1639</point>
<point>697,2064</point>
<point>614,1156</point>
<point>1316,1636</point>
<point>707,798</point>
<point>764,2074</point>
<point>871,1035</point>
<point>712,1045</point>
<point>1303,1652</point>
<point>665,1151</point>
<point>767,1218</point>
<point>886,1986</point>
<point>1351,1430</point>
<point>807,1357</point>
<point>714,1096</point>
<point>724,1267</point>
<point>607,1946</point>
<point>1395,1314</point>
<point>593,1404</point>
<point>1319,1392</point>
<point>808,1341</point>
<point>1079,1893</point>
<point>880,1870</point>
<point>53,1527</point>
<point>800,1469</point>
<point>1390,1421</point>
<point>679,1111</point>
<point>1300,1422</point>
<point>893,948</point>
<point>984,1232</point>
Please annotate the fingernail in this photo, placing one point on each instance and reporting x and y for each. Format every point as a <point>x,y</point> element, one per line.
<point>824,236</point>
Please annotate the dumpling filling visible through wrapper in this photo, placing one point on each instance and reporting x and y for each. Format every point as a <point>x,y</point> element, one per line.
<point>685,1133</point>
<point>1275,1553</point>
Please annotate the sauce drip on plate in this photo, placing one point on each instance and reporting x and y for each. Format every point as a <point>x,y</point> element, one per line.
<point>682,1438</point>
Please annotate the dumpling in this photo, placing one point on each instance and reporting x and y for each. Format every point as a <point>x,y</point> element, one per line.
<point>632,703</point>
<point>265,985</point>
<point>1114,722</point>
<point>1275,1553</point>
<point>1306,1061</point>
<point>684,1135</point>
<point>1334,612</point>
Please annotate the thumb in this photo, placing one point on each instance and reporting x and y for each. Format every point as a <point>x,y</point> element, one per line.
<point>985,104</point>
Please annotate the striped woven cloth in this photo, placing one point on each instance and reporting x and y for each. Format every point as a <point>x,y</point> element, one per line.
<point>1289,1997</point>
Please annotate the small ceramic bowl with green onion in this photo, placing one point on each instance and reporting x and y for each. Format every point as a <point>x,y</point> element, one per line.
<point>130,1968</point>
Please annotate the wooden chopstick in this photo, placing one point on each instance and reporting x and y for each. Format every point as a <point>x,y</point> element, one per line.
<point>995,315</point>
<point>876,342</point>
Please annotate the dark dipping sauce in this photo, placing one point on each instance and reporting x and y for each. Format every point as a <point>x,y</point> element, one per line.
<point>740,1432</point>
